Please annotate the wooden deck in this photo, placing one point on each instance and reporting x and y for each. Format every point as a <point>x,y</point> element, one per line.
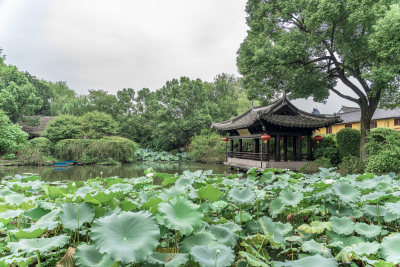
<point>245,164</point>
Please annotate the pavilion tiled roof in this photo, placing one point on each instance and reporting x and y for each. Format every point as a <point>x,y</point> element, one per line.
<point>270,114</point>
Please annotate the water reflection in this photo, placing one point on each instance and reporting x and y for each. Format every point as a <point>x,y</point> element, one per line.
<point>78,173</point>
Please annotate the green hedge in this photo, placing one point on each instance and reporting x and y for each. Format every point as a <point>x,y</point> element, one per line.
<point>207,148</point>
<point>86,151</point>
<point>348,141</point>
<point>43,144</point>
<point>327,149</point>
<point>383,146</point>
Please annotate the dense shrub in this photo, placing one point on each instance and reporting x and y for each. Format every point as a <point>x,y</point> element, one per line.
<point>98,124</point>
<point>311,167</point>
<point>327,148</point>
<point>63,127</point>
<point>147,154</point>
<point>32,156</point>
<point>383,146</point>
<point>351,165</point>
<point>43,144</point>
<point>12,138</point>
<point>86,151</point>
<point>348,141</point>
<point>207,148</point>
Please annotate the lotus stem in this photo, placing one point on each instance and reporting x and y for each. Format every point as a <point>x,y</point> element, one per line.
<point>377,214</point>
<point>77,211</point>
<point>39,264</point>
<point>291,249</point>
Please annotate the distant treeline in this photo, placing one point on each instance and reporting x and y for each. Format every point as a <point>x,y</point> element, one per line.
<point>164,119</point>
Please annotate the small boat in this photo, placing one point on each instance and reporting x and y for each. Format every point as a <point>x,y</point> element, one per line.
<point>64,163</point>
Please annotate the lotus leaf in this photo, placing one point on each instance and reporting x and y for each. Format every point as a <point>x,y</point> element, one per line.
<point>8,215</point>
<point>88,256</point>
<point>314,247</point>
<point>310,261</point>
<point>209,192</point>
<point>36,213</point>
<point>243,216</point>
<point>366,248</point>
<point>371,211</point>
<point>346,192</point>
<point>242,196</point>
<point>181,214</point>
<point>126,237</point>
<point>184,181</point>
<point>278,229</point>
<point>198,239</point>
<point>174,191</point>
<point>168,259</point>
<point>32,232</point>
<point>315,227</point>
<point>125,188</point>
<point>16,260</point>
<point>391,248</point>
<point>216,256</point>
<point>128,205</point>
<point>16,199</point>
<point>232,226</point>
<point>100,197</point>
<point>369,231</point>
<point>224,235</point>
<point>218,206</point>
<point>276,207</point>
<point>74,216</point>
<point>373,197</point>
<point>290,198</point>
<point>253,260</point>
<point>83,191</point>
<point>342,242</point>
<point>342,225</point>
<point>393,208</point>
<point>38,244</point>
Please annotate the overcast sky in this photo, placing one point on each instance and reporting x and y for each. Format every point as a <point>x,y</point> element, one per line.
<point>110,45</point>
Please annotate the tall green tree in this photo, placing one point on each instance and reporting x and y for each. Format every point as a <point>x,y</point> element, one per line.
<point>305,47</point>
<point>43,91</point>
<point>17,95</point>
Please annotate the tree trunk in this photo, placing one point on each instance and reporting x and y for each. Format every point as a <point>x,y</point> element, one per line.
<point>365,123</point>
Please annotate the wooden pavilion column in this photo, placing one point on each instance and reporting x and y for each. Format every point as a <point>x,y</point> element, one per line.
<point>299,148</point>
<point>256,145</point>
<point>277,147</point>
<point>267,150</point>
<point>231,145</point>
<point>309,148</point>
<point>294,148</point>
<point>240,146</point>
<point>285,158</point>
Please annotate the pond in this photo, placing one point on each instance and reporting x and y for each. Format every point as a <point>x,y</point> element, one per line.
<point>78,173</point>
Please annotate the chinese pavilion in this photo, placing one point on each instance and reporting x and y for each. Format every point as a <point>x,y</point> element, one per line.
<point>284,129</point>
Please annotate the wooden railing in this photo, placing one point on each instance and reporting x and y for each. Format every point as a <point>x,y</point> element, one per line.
<point>264,156</point>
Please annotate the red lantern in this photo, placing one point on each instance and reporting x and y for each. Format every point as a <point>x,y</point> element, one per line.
<point>302,137</point>
<point>281,138</point>
<point>225,139</point>
<point>318,138</point>
<point>265,137</point>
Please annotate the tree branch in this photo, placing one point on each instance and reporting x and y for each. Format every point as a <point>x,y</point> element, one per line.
<point>311,61</point>
<point>343,95</point>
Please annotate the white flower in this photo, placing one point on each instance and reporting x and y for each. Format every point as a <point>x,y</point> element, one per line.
<point>150,174</point>
<point>329,181</point>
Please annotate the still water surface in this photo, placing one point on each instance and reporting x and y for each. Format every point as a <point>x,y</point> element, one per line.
<point>79,173</point>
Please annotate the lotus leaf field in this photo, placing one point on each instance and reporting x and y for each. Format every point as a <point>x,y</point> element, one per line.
<point>272,218</point>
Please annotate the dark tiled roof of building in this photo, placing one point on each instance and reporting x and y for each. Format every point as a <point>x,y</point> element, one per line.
<point>270,114</point>
<point>355,116</point>
<point>35,131</point>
